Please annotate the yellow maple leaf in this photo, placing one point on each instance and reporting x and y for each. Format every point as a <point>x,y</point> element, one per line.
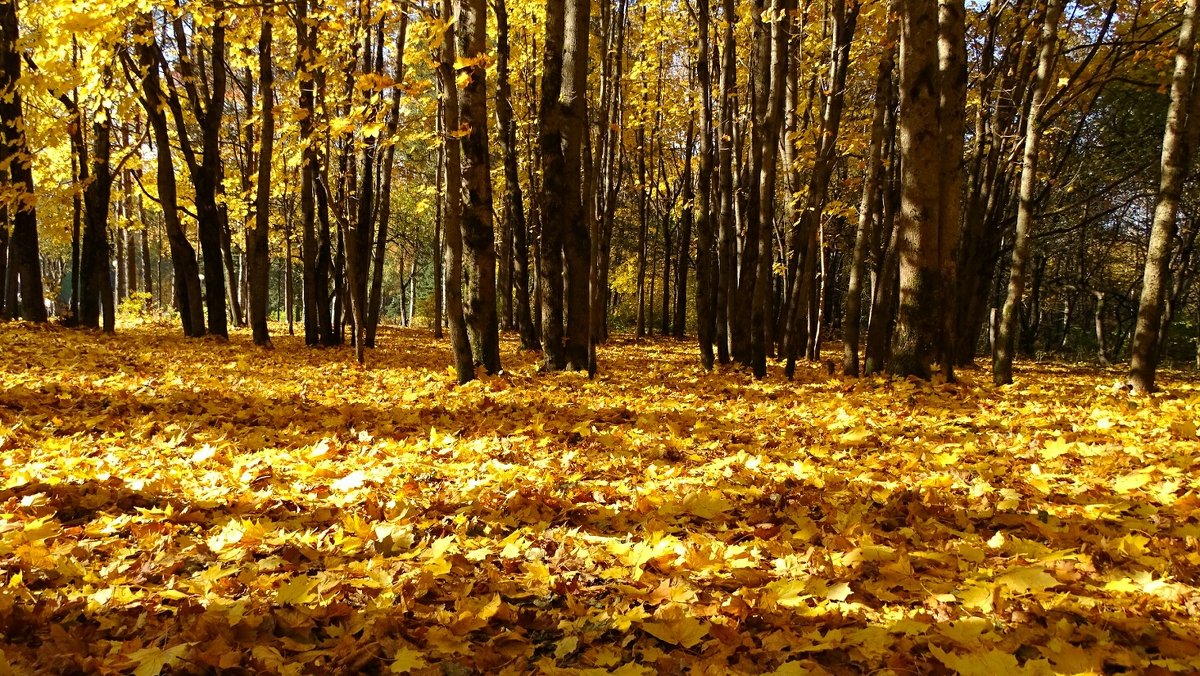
<point>296,591</point>
<point>686,632</point>
<point>708,505</point>
<point>1131,482</point>
<point>151,661</point>
<point>1027,579</point>
<point>978,663</point>
<point>406,660</point>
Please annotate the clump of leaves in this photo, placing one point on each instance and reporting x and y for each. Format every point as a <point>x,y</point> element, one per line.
<point>172,505</point>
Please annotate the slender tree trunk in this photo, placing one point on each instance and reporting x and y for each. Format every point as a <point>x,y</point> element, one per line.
<point>514,203</point>
<point>131,250</point>
<point>76,233</point>
<point>726,226</point>
<point>805,241</point>
<point>186,271</point>
<point>664,222</point>
<point>122,289</point>
<point>952,92</point>
<point>679,321</point>
<point>24,258</point>
<point>257,236</point>
<point>148,280</point>
<point>375,301</point>
<point>1002,356</point>
<point>477,229</point>
<point>452,231</point>
<point>706,254</point>
<point>884,296</point>
<point>869,211</point>
<point>555,191</point>
<point>206,171</point>
<point>96,288</point>
<point>643,229</point>
<point>311,281</point>
<point>439,284</point>
<point>1101,335</point>
<point>1179,141</point>
<point>769,116</point>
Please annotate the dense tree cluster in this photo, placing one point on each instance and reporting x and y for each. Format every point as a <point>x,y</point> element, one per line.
<point>928,180</point>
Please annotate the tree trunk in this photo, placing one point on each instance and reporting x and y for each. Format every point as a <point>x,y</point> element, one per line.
<point>375,300</point>
<point>122,289</point>
<point>312,282</point>
<point>186,271</point>
<point>452,231</point>
<point>706,268</point>
<point>798,331</point>
<point>726,228</point>
<point>769,116</point>
<point>514,204</point>
<point>24,259</point>
<point>1179,140</point>
<point>206,171</point>
<point>555,191</point>
<point>439,284</point>
<point>477,229</point>
<point>869,211</point>
<point>952,92</point>
<point>664,222</point>
<point>148,282</point>
<point>643,229</point>
<point>679,321</point>
<point>96,288</point>
<point>917,241</point>
<point>1002,356</point>
<point>1101,335</point>
<point>258,260</point>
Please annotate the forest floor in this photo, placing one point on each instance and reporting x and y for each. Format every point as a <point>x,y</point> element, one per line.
<point>188,506</point>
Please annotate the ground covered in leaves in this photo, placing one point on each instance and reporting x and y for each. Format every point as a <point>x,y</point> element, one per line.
<point>176,506</point>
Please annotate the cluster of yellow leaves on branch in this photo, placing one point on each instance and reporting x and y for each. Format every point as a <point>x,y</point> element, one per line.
<point>186,506</point>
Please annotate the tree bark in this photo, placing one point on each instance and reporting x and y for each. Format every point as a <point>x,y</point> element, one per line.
<point>1002,356</point>
<point>687,220</point>
<point>706,254</point>
<point>769,116</point>
<point>96,288</point>
<point>643,228</point>
<point>514,202</point>
<point>804,240</point>
<point>726,227</point>
<point>258,261</point>
<point>24,258</point>
<point>452,231</point>
<point>477,228</point>
<point>917,240</point>
<point>1179,141</point>
<point>375,299</point>
<point>439,284</point>
<point>952,93</point>
<point>869,210</point>
<point>205,171</point>
<point>555,192</point>
<point>187,294</point>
